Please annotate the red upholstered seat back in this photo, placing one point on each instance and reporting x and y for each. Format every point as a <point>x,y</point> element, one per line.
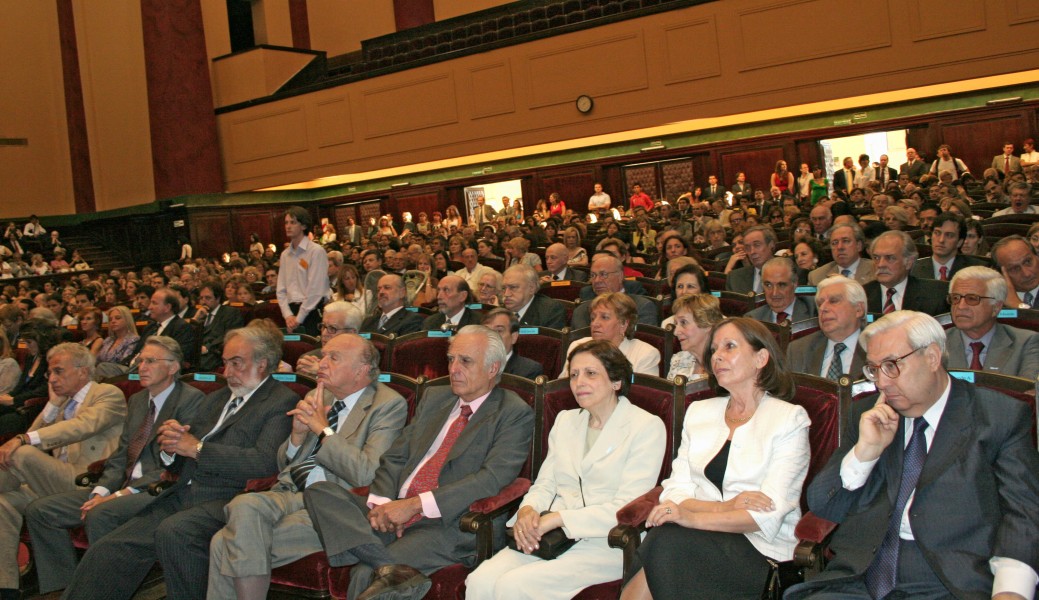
<point>824,434</point>
<point>418,354</point>
<point>542,345</point>
<point>294,346</point>
<point>206,383</point>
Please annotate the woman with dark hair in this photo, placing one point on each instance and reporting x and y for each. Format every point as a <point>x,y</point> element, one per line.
<point>782,178</point>
<point>802,230</point>
<point>686,281</point>
<point>10,370</point>
<point>673,247</point>
<point>90,326</point>
<point>541,212</point>
<point>613,318</point>
<point>974,244</point>
<point>39,336</point>
<point>255,243</point>
<point>557,208</point>
<point>440,264</point>
<point>552,231</point>
<point>818,187</point>
<point>644,238</point>
<point>600,456</point>
<point>807,254</point>
<point>733,497</point>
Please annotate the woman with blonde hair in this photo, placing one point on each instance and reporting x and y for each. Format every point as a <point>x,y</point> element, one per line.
<point>613,317</point>
<point>9,369</point>
<point>122,338</point>
<point>452,218</point>
<point>577,256</point>
<point>694,316</point>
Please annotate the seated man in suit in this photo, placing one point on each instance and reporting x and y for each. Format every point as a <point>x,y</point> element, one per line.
<point>947,235</point>
<point>216,320</point>
<point>465,442</point>
<point>1017,260</point>
<point>556,258</point>
<point>834,350</point>
<point>472,270</point>
<point>338,437</point>
<point>978,341</point>
<point>782,304</point>
<point>608,276</point>
<point>80,424</point>
<point>239,430</point>
<point>393,317</point>
<point>337,318</point>
<point>520,295</point>
<point>846,244</point>
<point>162,310</point>
<point>895,289</point>
<point>122,490</point>
<point>504,322</point>
<point>935,486</point>
<point>759,242</point>
<point>452,313</point>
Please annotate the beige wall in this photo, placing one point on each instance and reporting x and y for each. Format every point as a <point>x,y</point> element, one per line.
<point>115,98</point>
<point>338,26</point>
<point>446,9</point>
<point>271,22</point>
<point>715,59</point>
<point>34,178</point>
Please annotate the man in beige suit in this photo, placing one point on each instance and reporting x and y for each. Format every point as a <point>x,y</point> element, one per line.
<point>337,436</point>
<point>80,424</point>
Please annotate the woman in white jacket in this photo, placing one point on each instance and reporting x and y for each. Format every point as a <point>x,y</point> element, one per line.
<point>600,457</point>
<point>733,497</point>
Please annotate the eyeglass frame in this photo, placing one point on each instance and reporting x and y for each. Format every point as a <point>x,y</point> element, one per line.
<point>892,361</point>
<point>336,330</point>
<point>952,302</point>
<point>602,274</point>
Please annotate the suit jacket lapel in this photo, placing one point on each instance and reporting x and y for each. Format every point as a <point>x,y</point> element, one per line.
<point>356,415</point>
<point>476,422</point>
<point>948,438</point>
<point>999,349</point>
<point>613,434</point>
<point>816,354</point>
<point>260,395</point>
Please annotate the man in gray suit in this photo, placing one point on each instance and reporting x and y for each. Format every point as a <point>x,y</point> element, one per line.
<point>1006,163</point>
<point>935,486</point>
<point>239,430</point>
<point>782,304</point>
<point>452,313</point>
<point>834,350</point>
<point>846,244</point>
<point>608,276</point>
<point>759,242</point>
<point>978,341</point>
<point>122,490</point>
<point>466,442</point>
<point>81,423</point>
<point>337,437</point>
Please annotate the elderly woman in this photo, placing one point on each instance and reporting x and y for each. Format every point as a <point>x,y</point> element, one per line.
<point>90,325</point>
<point>600,456</point>
<point>489,288</point>
<point>613,316</point>
<point>896,218</point>
<point>807,253</point>
<point>122,337</point>
<point>10,372</point>
<point>694,316</point>
<point>686,280</point>
<point>39,335</point>
<point>732,500</point>
<point>576,255</point>
<point>517,250</point>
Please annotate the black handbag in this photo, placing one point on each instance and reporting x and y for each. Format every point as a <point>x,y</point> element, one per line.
<point>553,543</point>
<point>781,576</point>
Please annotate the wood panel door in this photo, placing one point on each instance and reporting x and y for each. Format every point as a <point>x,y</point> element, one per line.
<point>209,232</point>
<point>413,203</point>
<point>758,164</point>
<point>573,187</point>
<point>977,141</point>
<point>248,222</point>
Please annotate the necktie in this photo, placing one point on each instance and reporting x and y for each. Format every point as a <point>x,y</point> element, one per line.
<point>139,440</point>
<point>836,368</point>
<point>209,319</point>
<point>975,359</point>
<point>1006,165</point>
<point>780,317</point>
<point>428,477</point>
<point>556,277</point>
<point>70,409</point>
<point>846,273</point>
<point>889,306</point>
<point>1029,298</point>
<point>943,273</point>
<point>382,321</point>
<point>757,281</point>
<point>881,575</point>
<point>301,471</point>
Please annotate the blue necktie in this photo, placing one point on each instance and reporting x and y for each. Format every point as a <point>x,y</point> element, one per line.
<point>301,471</point>
<point>882,573</point>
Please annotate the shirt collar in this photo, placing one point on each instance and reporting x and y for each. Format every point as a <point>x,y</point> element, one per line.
<point>160,398</point>
<point>81,395</point>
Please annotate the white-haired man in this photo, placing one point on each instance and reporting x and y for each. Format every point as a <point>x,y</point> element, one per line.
<point>833,351</point>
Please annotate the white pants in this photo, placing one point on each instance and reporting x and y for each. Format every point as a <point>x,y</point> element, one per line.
<point>510,575</point>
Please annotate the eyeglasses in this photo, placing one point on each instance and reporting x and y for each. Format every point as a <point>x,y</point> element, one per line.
<point>602,274</point>
<point>888,367</point>
<point>336,330</point>
<point>972,299</point>
<point>152,361</point>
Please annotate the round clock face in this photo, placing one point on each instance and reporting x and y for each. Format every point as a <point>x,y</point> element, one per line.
<point>584,103</point>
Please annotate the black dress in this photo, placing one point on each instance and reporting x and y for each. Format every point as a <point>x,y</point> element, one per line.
<point>13,421</point>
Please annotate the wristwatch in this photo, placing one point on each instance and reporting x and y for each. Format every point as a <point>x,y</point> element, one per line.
<point>198,450</point>
<point>24,439</point>
<point>327,431</point>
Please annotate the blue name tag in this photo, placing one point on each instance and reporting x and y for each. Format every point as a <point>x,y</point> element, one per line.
<point>806,289</point>
<point>384,377</point>
<point>967,376</point>
<point>291,337</point>
<point>366,336</point>
<point>716,294</point>
<point>134,377</point>
<point>411,308</point>
<point>1007,313</point>
<point>205,377</point>
<point>869,318</point>
<point>289,377</point>
<point>529,331</point>
<point>475,306</point>
<point>435,333</point>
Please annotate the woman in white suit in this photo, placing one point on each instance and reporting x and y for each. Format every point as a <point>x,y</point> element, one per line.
<point>733,497</point>
<point>600,457</point>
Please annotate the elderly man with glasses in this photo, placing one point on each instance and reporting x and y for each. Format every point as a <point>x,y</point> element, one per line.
<point>607,275</point>
<point>936,485</point>
<point>337,318</point>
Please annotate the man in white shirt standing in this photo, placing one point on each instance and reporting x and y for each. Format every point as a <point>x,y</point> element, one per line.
<point>600,200</point>
<point>302,275</point>
<point>1029,157</point>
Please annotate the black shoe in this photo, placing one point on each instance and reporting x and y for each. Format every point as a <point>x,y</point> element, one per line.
<point>396,582</point>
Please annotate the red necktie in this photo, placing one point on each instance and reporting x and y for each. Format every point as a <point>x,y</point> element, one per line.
<point>889,306</point>
<point>975,360</point>
<point>943,273</point>
<point>1006,165</point>
<point>428,477</point>
<point>780,317</point>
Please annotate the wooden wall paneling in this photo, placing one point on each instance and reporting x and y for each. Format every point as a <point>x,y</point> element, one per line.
<point>758,164</point>
<point>644,174</point>
<point>340,216</point>
<point>369,210</point>
<point>209,232</point>
<point>977,141</point>
<point>528,186</point>
<point>678,177</point>
<point>808,151</point>
<point>924,139</point>
<point>414,203</point>
<point>248,222</point>
<point>573,187</point>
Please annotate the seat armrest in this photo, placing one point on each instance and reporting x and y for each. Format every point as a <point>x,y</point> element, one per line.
<point>166,480</point>
<point>482,513</point>
<point>261,484</point>
<point>514,491</point>
<point>31,403</point>
<point>92,474</point>
<point>812,533</point>
<point>631,522</point>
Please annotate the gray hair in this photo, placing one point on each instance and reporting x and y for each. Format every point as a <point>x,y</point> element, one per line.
<point>922,329</point>
<point>336,257</point>
<point>527,272</point>
<point>349,313</point>
<point>80,355</point>
<point>766,231</point>
<point>370,357</point>
<point>860,236</point>
<point>995,285</point>
<point>908,245</point>
<point>265,344</point>
<point>853,290</point>
<point>170,345</point>
<point>782,261</point>
<point>1006,241</point>
<point>1019,185</point>
<point>495,352</point>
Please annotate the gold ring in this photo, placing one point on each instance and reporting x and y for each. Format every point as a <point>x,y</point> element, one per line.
<point>667,510</point>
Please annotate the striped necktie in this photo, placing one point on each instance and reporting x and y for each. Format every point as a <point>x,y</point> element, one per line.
<point>836,367</point>
<point>889,306</point>
<point>301,471</point>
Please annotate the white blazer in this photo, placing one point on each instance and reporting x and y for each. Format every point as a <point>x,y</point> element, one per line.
<point>623,464</point>
<point>644,358</point>
<point>769,453</point>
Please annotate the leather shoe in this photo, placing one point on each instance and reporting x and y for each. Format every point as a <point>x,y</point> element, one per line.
<point>396,582</point>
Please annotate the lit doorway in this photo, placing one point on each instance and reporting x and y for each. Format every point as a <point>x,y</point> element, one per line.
<point>493,194</point>
<point>891,143</point>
